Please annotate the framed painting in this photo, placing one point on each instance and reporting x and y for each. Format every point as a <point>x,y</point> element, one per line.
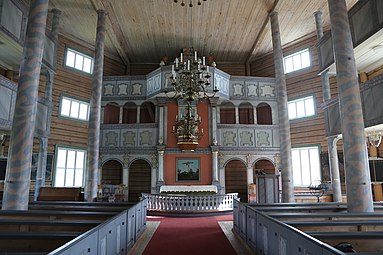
<point>188,169</point>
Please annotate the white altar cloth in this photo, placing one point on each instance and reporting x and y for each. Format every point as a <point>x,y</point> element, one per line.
<point>186,188</point>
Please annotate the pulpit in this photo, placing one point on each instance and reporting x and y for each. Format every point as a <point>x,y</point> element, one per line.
<point>267,188</point>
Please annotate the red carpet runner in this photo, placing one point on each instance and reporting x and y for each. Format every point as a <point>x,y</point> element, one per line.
<point>190,236</point>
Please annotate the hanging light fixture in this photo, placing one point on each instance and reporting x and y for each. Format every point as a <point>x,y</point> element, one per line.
<point>186,129</point>
<point>190,2</point>
<point>190,77</point>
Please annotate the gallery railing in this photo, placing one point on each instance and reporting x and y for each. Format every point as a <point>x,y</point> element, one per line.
<point>190,203</point>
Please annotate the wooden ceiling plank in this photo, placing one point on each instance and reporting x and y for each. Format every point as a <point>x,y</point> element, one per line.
<point>261,33</point>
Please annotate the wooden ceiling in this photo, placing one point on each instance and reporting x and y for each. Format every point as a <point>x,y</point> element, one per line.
<point>232,31</point>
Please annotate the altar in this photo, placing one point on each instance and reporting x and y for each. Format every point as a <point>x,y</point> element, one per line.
<point>188,188</point>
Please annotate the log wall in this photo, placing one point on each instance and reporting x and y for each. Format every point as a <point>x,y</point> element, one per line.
<point>73,84</point>
<point>299,84</point>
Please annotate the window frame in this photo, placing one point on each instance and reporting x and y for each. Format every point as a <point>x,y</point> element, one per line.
<point>76,52</point>
<point>291,55</point>
<point>307,147</point>
<point>299,99</point>
<point>67,148</point>
<point>73,99</point>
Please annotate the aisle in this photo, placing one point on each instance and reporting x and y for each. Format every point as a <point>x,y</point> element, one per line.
<point>190,236</point>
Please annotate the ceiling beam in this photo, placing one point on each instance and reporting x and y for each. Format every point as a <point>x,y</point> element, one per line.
<point>261,34</point>
<point>114,30</point>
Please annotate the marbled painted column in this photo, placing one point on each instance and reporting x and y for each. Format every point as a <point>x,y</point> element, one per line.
<point>218,115</point>
<point>17,179</point>
<point>334,168</point>
<point>41,165</point>
<point>213,104</point>
<point>236,114</point>
<point>95,109</point>
<point>125,181</point>
<point>319,24</point>
<point>102,114</point>
<point>125,176</point>
<point>161,124</point>
<point>284,124</point>
<point>214,152</point>
<point>358,183</point>
<point>121,114</point>
<point>222,180</point>
<point>250,175</point>
<point>153,184</point>
<point>161,151</point>
<point>255,115</point>
<point>331,143</point>
<point>138,113</point>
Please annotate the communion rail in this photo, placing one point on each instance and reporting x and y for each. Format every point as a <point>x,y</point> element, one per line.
<point>190,203</point>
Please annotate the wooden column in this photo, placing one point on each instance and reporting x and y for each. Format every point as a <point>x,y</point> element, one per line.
<point>161,151</point>
<point>95,109</point>
<point>17,179</point>
<point>359,195</point>
<point>331,141</point>
<point>214,152</point>
<point>283,118</point>
<point>213,103</point>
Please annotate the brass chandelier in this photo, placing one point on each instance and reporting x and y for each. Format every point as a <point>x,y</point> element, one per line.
<point>190,77</point>
<point>190,83</point>
<point>186,129</point>
<point>190,2</point>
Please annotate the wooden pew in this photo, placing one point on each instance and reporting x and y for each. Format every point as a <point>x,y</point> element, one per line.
<point>59,194</point>
<point>34,241</point>
<point>70,228</point>
<point>326,222</point>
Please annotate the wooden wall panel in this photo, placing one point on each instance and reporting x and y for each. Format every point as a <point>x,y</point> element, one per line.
<point>74,84</point>
<point>142,69</point>
<point>139,179</point>
<point>236,179</point>
<point>238,69</point>
<point>112,173</point>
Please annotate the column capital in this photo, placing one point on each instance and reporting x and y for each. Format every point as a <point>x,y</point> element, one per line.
<point>161,148</point>
<point>213,101</point>
<point>101,12</point>
<point>214,148</point>
<point>161,101</point>
<point>55,11</point>
<point>318,13</point>
<point>273,13</point>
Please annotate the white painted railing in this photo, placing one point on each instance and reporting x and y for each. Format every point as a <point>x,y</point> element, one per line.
<point>190,203</point>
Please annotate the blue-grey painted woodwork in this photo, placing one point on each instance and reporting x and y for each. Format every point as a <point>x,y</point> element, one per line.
<point>365,18</point>
<point>334,168</point>
<point>8,91</point>
<point>358,183</point>
<point>17,179</point>
<point>13,17</point>
<point>284,124</point>
<point>331,142</point>
<point>49,74</point>
<point>41,165</point>
<point>266,235</point>
<point>95,109</point>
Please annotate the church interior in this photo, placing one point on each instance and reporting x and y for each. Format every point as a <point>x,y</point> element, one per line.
<point>256,108</point>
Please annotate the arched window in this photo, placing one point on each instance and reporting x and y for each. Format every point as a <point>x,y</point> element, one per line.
<point>246,113</point>
<point>264,116</point>
<point>147,113</point>
<point>227,113</point>
<point>129,114</point>
<point>111,113</point>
